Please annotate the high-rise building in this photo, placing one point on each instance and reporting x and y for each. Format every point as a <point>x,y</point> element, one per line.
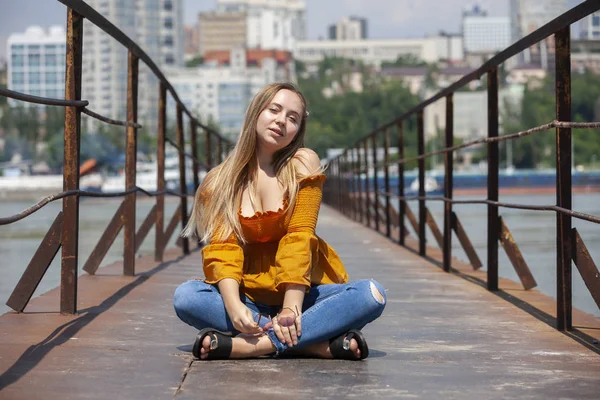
<point>590,27</point>
<point>484,34</point>
<point>191,41</point>
<point>221,31</point>
<point>530,15</point>
<point>349,28</point>
<point>157,27</point>
<point>36,63</point>
<point>270,24</point>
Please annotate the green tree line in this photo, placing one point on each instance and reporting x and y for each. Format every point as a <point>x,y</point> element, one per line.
<point>539,107</point>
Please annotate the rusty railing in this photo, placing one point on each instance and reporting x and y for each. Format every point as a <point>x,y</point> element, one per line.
<point>64,232</point>
<point>360,198</point>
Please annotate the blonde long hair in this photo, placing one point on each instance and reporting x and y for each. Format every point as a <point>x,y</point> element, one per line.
<point>216,217</point>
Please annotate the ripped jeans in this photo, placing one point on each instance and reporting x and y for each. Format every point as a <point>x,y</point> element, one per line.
<point>327,311</point>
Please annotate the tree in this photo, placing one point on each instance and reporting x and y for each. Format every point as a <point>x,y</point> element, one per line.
<point>342,120</point>
<point>406,60</point>
<point>194,62</point>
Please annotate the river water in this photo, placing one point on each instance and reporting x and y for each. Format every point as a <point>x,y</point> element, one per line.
<point>533,231</point>
<point>20,240</point>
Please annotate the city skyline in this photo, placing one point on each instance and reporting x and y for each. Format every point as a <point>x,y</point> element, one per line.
<point>387,18</point>
<point>399,18</point>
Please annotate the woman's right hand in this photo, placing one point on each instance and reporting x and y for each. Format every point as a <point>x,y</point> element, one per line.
<point>242,319</point>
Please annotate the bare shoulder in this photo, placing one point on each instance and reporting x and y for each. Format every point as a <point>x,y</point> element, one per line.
<point>306,161</point>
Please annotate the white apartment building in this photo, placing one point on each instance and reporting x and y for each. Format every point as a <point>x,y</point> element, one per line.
<point>271,24</point>
<point>376,51</point>
<point>157,27</point>
<point>483,34</point>
<point>36,63</point>
<point>221,93</point>
<point>590,27</point>
<point>349,28</point>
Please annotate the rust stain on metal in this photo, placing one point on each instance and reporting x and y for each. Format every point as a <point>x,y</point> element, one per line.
<point>401,209</point>
<point>160,172</point>
<point>182,181</point>
<point>105,242</point>
<point>386,158</point>
<point>208,150</point>
<point>466,244</point>
<point>586,266</point>
<point>563,180</point>
<point>145,228</point>
<point>375,182</point>
<point>129,241</point>
<point>515,256</point>
<point>37,267</point>
<point>434,229</point>
<point>448,183</point>
<point>171,227</point>
<point>411,217</point>
<point>194,144</point>
<point>421,164</point>
<point>70,234</point>
<point>492,182</point>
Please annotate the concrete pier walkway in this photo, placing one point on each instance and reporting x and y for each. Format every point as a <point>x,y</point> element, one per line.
<point>441,336</point>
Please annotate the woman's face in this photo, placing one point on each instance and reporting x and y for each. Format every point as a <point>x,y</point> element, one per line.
<point>279,123</point>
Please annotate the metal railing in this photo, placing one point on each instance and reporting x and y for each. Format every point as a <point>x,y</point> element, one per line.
<point>64,232</point>
<point>361,198</point>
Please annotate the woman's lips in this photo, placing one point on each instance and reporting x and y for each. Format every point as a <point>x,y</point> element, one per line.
<point>276,131</point>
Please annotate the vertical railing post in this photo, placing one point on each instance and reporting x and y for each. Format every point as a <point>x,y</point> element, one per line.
<point>448,182</point>
<point>359,185</point>
<point>130,167</point>
<point>160,172</point>
<point>194,144</point>
<point>72,136</point>
<point>195,166</point>
<point>386,160</point>
<point>563,181</point>
<point>208,150</point>
<point>493,231</point>
<point>401,203</point>
<point>375,182</point>
<point>345,188</point>
<point>351,183</point>
<point>367,194</point>
<point>338,174</point>
<point>182,181</point>
<point>219,150</point>
<point>421,163</point>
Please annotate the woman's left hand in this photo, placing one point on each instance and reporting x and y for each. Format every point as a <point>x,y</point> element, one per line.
<point>287,326</point>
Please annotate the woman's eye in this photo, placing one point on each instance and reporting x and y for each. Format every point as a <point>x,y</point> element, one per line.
<point>293,119</point>
<point>274,110</point>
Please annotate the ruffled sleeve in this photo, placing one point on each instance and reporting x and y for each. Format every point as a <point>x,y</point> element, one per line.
<point>223,260</point>
<point>294,258</point>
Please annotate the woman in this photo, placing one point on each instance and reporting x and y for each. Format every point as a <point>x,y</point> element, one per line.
<point>272,285</point>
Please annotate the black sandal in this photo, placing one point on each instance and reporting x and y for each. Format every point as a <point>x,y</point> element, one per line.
<point>340,346</point>
<point>220,344</point>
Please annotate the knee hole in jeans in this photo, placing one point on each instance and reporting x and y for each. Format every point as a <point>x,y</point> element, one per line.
<point>376,293</point>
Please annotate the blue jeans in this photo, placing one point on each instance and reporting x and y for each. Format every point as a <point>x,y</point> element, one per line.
<point>327,311</point>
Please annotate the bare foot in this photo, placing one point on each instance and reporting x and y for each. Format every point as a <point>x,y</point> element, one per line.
<point>242,346</point>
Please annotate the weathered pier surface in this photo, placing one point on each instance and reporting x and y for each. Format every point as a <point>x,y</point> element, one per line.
<point>441,336</point>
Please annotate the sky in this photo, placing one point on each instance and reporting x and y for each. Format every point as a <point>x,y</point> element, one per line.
<point>386,18</point>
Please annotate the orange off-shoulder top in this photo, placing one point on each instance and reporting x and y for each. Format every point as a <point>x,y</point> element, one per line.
<point>281,248</point>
